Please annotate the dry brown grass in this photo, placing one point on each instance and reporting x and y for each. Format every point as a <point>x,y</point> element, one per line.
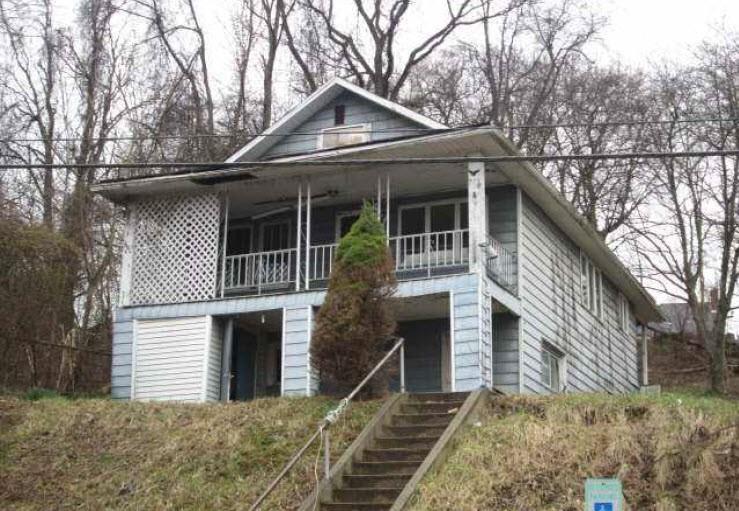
<point>98,454</point>
<point>672,452</point>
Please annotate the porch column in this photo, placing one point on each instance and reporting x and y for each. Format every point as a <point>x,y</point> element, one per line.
<point>298,234</point>
<point>226,359</point>
<point>644,357</point>
<point>307,234</point>
<point>129,239</point>
<point>226,209</point>
<point>476,209</point>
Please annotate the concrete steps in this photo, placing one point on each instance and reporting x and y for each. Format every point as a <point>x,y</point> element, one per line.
<point>392,454</point>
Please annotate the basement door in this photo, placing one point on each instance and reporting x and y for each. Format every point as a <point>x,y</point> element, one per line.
<point>424,344</point>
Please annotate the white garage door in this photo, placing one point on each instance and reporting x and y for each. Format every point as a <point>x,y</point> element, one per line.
<point>169,358</point>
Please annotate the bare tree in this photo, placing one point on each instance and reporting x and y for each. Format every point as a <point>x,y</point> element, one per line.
<point>34,85</point>
<point>589,105</point>
<point>688,233</point>
<point>523,61</point>
<point>371,55</point>
<point>184,43</point>
<point>244,26</point>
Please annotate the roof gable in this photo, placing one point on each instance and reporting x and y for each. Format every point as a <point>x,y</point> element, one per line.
<point>297,131</point>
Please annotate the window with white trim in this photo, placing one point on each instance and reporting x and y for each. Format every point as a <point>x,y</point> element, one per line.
<point>624,313</point>
<point>340,136</point>
<point>591,284</point>
<point>552,367</point>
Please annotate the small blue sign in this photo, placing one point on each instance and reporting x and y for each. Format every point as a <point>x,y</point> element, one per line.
<point>603,495</point>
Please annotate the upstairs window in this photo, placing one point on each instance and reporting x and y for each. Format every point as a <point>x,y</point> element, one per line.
<point>591,284</point>
<point>624,314</point>
<point>344,135</point>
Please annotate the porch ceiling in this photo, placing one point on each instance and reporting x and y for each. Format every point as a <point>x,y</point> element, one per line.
<point>413,308</point>
<point>349,186</point>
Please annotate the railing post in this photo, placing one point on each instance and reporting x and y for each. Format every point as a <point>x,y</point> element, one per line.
<point>326,453</point>
<point>428,253</point>
<point>402,368</point>
<point>259,273</point>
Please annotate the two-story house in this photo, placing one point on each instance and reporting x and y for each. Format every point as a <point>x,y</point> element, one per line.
<point>500,282</point>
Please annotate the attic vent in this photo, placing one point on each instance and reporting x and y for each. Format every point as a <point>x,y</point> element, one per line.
<point>344,135</point>
<point>339,115</point>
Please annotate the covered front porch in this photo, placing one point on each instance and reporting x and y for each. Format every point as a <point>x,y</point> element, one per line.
<point>281,235</point>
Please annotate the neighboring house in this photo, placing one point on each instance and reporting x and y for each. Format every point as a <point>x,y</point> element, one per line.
<point>679,320</point>
<point>501,283</point>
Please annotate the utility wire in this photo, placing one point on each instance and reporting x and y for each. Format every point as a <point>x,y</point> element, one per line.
<point>253,165</point>
<point>137,138</point>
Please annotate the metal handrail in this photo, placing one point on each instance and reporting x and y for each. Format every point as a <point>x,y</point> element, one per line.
<point>332,417</point>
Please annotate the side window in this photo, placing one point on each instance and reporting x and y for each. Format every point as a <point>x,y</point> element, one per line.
<point>624,314</point>
<point>591,283</point>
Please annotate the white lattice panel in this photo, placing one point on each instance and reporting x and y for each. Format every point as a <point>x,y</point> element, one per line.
<point>175,249</point>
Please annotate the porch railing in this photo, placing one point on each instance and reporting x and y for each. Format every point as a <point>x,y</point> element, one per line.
<point>430,250</point>
<point>500,264</point>
<point>260,270</point>
<point>321,261</point>
<point>413,254</point>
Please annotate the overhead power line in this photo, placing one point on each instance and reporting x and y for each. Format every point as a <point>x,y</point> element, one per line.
<point>359,131</point>
<point>253,165</point>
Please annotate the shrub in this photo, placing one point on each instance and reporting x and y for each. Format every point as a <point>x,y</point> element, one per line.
<point>355,323</point>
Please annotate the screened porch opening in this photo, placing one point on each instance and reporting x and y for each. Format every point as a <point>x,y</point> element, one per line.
<point>255,363</point>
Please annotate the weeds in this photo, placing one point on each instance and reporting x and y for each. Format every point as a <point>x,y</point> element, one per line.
<point>101,454</point>
<point>671,452</point>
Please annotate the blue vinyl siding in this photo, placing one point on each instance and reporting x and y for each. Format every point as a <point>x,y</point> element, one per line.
<point>120,384</point>
<point>505,353</point>
<point>296,343</point>
<point>600,357</point>
<point>466,339</point>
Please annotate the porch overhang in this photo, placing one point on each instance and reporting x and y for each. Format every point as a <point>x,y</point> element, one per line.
<point>460,143</point>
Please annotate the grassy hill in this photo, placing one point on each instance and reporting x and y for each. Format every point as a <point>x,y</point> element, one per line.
<point>99,454</point>
<point>673,452</point>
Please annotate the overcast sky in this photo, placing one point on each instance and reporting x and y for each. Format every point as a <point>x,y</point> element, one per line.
<point>639,31</point>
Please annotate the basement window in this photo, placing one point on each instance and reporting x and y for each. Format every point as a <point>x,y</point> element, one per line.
<point>344,136</point>
<point>552,367</point>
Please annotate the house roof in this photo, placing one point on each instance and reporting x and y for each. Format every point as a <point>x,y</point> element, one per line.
<point>258,146</point>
